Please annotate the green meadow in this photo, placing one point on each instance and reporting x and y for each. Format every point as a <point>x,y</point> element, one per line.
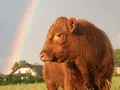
<point>41,86</point>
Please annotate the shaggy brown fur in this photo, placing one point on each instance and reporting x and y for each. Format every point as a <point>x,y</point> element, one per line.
<point>84,53</point>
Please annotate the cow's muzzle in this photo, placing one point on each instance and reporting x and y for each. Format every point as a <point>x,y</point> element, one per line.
<point>46,56</point>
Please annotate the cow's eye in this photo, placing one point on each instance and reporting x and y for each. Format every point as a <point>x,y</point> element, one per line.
<point>59,35</point>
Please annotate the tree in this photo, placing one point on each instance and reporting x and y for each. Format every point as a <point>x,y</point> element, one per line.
<point>22,62</point>
<point>15,65</point>
<point>117,57</point>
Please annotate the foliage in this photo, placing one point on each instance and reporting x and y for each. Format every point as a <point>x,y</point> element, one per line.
<point>115,74</point>
<point>15,66</point>
<point>1,80</point>
<point>117,57</point>
<point>19,79</point>
<point>22,62</point>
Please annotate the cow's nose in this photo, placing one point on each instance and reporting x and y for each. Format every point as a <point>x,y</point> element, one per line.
<point>42,55</point>
<point>45,56</point>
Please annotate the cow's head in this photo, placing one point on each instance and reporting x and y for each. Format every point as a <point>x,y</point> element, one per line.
<point>59,40</point>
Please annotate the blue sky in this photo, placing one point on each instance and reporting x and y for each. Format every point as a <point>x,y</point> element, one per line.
<point>103,13</point>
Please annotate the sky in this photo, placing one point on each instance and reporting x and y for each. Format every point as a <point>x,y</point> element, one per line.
<point>103,13</point>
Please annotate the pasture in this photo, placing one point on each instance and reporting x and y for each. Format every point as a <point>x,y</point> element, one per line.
<point>41,86</point>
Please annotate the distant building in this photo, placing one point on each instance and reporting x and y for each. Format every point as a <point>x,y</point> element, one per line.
<point>1,74</point>
<point>117,70</point>
<point>26,68</point>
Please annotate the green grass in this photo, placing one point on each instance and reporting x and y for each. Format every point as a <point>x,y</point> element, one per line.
<point>41,86</point>
<point>116,83</point>
<point>38,86</point>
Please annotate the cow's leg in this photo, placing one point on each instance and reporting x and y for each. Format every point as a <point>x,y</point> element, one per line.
<point>62,88</point>
<point>48,80</point>
<point>82,66</point>
<point>107,85</point>
<point>50,85</point>
<point>67,83</point>
<point>103,75</point>
<point>70,77</point>
<point>69,80</point>
<point>72,84</point>
<point>73,79</point>
<point>102,82</point>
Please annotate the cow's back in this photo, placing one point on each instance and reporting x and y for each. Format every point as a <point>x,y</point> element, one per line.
<point>93,45</point>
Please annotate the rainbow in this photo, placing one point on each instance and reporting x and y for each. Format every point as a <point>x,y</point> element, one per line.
<point>21,34</point>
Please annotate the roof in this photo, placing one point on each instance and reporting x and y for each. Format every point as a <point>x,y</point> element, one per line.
<point>36,68</point>
<point>1,74</point>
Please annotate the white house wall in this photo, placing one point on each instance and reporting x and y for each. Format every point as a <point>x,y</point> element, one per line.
<point>117,70</point>
<point>25,70</point>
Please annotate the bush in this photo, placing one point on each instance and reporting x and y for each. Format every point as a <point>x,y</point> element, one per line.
<point>18,79</point>
<point>115,74</point>
<point>1,80</point>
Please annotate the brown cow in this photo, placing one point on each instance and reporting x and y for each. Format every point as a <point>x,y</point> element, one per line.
<point>81,56</point>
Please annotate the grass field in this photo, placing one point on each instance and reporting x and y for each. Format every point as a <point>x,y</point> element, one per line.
<point>116,83</point>
<point>41,86</point>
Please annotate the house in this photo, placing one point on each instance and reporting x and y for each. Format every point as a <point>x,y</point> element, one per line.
<point>1,74</point>
<point>3,77</point>
<point>24,69</point>
<point>117,70</point>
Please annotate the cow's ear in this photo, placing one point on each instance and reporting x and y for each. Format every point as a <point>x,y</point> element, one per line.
<point>73,26</point>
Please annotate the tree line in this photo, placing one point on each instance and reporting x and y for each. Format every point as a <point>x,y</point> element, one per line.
<point>117,57</point>
<point>18,79</point>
